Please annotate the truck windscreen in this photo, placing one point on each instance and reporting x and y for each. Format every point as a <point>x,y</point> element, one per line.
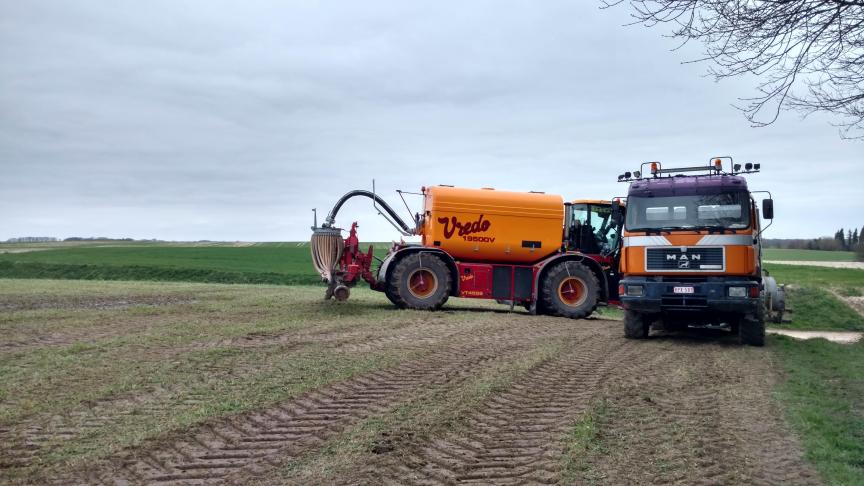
<point>729,210</point>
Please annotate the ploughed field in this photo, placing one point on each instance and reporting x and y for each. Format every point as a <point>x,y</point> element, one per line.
<point>177,383</point>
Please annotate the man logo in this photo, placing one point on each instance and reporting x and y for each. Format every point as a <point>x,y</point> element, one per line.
<point>683,259</point>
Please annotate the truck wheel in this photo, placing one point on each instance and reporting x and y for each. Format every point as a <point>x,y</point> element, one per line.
<point>420,281</point>
<point>570,289</point>
<point>636,325</point>
<point>751,330</point>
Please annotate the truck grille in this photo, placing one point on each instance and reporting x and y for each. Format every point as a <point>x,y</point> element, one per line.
<point>690,260</point>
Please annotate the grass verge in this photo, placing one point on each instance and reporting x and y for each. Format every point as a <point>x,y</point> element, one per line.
<point>823,396</point>
<point>817,309</point>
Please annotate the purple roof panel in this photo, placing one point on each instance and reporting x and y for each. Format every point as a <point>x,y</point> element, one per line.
<point>687,186</point>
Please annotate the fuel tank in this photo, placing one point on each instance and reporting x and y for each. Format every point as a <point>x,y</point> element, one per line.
<point>492,226</point>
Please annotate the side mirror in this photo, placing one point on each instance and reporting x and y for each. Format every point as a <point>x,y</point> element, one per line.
<point>768,208</point>
<point>617,214</point>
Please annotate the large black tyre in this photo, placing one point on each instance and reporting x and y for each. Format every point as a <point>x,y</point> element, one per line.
<point>636,325</point>
<point>751,329</point>
<point>419,281</point>
<point>570,289</point>
<point>394,299</point>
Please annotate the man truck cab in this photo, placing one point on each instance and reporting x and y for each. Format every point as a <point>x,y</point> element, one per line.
<point>692,254</point>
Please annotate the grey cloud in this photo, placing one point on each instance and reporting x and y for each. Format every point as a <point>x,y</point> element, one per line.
<point>231,120</point>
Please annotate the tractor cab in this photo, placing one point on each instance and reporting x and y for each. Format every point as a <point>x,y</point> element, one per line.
<point>592,226</point>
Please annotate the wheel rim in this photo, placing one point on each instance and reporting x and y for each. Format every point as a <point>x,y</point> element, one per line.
<point>572,291</point>
<point>422,283</point>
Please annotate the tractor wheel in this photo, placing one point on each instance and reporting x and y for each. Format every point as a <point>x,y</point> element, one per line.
<point>636,325</point>
<point>420,280</point>
<point>394,299</point>
<point>751,329</point>
<point>570,289</point>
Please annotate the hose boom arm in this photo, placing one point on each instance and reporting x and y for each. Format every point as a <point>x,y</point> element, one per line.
<point>397,222</point>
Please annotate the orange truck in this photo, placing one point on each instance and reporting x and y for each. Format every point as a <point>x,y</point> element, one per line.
<point>522,248</point>
<point>692,254</point>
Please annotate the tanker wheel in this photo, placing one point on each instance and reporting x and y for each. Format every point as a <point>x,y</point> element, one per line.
<point>420,280</point>
<point>570,289</point>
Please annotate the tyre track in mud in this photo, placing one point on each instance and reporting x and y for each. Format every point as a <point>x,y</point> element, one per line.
<point>708,416</point>
<point>107,329</point>
<point>20,443</point>
<point>244,445</point>
<point>514,438</point>
<point>682,412</point>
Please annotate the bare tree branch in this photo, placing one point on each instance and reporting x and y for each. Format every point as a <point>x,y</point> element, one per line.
<point>807,54</point>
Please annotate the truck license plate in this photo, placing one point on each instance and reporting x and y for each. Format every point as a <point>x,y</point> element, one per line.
<point>683,290</point>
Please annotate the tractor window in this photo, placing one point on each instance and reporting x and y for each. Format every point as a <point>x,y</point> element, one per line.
<point>592,230</point>
<point>605,232</point>
<point>580,214</point>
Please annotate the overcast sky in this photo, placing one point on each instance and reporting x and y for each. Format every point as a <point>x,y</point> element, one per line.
<point>231,120</point>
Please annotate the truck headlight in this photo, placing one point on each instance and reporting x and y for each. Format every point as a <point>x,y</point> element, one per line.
<point>635,290</point>
<point>737,291</point>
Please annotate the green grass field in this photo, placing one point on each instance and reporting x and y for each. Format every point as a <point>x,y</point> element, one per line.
<point>289,264</point>
<point>264,263</point>
<point>271,263</point>
<point>809,255</point>
<point>817,276</point>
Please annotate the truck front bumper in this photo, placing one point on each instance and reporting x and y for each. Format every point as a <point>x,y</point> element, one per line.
<point>710,294</point>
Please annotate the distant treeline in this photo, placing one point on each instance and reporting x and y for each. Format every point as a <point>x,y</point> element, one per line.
<point>32,239</point>
<point>98,238</point>
<point>843,240</point>
<point>51,239</point>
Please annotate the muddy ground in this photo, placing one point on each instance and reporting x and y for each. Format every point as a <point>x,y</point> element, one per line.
<point>365,394</point>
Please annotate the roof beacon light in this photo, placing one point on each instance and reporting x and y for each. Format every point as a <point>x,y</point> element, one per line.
<point>714,167</point>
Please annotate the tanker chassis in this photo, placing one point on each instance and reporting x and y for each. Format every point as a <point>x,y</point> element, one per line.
<point>692,253</point>
<point>529,249</point>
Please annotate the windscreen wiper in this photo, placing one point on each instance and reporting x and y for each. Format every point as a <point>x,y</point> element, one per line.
<point>660,230</point>
<point>714,228</point>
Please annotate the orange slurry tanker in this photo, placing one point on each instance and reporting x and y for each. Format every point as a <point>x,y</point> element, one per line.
<point>521,248</point>
<point>692,253</point>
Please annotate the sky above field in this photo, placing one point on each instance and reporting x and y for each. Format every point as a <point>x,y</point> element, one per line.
<point>232,120</point>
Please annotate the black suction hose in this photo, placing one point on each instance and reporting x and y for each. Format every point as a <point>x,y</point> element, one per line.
<point>331,217</point>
